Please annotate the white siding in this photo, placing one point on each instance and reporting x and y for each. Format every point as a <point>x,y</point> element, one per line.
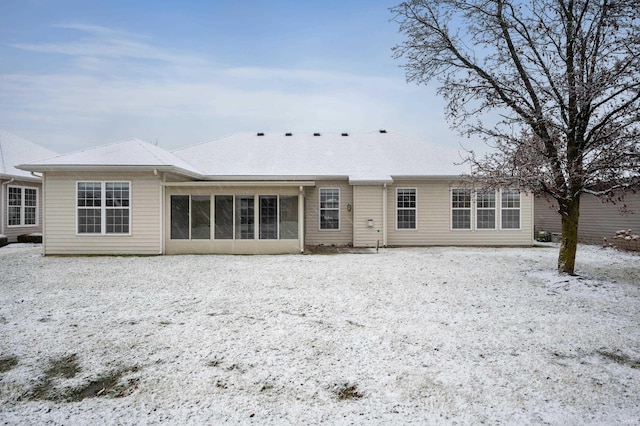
<point>316,236</point>
<point>367,205</point>
<point>60,204</point>
<point>434,219</point>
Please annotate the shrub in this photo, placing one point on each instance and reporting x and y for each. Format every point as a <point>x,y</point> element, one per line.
<point>30,238</point>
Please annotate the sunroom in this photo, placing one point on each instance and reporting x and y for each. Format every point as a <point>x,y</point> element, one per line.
<point>234,217</point>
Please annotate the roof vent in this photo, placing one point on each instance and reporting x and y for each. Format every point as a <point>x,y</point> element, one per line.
<point>345,134</point>
<point>316,134</point>
<point>287,134</point>
<point>383,131</point>
<point>260,134</point>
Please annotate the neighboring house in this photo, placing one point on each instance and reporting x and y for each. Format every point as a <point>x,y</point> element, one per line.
<point>598,220</point>
<point>271,193</point>
<point>20,191</point>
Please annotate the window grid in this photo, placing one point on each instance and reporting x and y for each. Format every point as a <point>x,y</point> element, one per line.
<point>103,207</point>
<point>461,209</point>
<point>510,204</point>
<point>485,209</point>
<point>22,206</point>
<point>329,208</point>
<point>406,208</point>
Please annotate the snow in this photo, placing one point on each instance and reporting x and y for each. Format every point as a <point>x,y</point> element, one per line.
<point>419,335</point>
<point>129,152</point>
<point>366,156</point>
<point>15,150</point>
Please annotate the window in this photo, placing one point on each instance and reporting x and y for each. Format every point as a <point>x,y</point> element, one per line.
<point>329,208</point>
<point>245,218</point>
<point>223,217</point>
<point>179,217</point>
<point>200,217</point>
<point>268,217</point>
<point>289,217</point>
<point>485,210</point>
<point>406,208</point>
<point>103,207</point>
<point>190,217</point>
<point>461,209</point>
<point>234,217</point>
<point>22,206</point>
<point>510,209</point>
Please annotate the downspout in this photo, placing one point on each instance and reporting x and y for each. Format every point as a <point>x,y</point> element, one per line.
<point>162,194</point>
<point>2,195</point>
<point>42,211</point>
<point>301,218</point>
<point>384,215</point>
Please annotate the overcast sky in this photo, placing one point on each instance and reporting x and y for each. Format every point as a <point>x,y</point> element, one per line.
<point>80,73</point>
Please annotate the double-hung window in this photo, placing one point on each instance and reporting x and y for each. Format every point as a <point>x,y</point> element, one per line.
<point>510,206</point>
<point>406,208</point>
<point>22,206</point>
<point>103,207</point>
<point>485,209</point>
<point>461,209</point>
<point>329,208</point>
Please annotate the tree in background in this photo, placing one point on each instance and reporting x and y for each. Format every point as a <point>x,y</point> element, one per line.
<point>558,79</point>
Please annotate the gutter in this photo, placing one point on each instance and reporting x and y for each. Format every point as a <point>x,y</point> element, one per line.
<point>2,206</point>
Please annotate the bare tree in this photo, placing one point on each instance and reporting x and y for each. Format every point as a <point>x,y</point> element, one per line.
<point>558,80</point>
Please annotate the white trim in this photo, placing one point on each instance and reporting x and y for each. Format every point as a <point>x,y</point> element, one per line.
<point>320,208</point>
<point>407,208</point>
<point>22,206</point>
<point>476,208</point>
<point>519,209</point>
<point>471,215</point>
<point>103,209</point>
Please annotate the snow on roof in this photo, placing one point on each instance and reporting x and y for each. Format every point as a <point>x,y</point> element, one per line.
<point>366,157</point>
<point>15,150</point>
<point>126,153</point>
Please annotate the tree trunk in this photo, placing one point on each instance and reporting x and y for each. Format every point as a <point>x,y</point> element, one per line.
<point>570,213</point>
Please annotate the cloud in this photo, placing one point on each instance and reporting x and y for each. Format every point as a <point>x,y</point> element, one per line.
<point>118,85</point>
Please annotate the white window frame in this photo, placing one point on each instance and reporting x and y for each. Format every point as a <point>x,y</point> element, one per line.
<point>518,209</point>
<point>320,209</point>
<point>470,208</point>
<point>415,208</point>
<point>103,209</point>
<point>22,206</point>
<point>479,209</point>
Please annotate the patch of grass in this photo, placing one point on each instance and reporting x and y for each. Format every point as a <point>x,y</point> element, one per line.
<point>52,388</point>
<point>346,391</point>
<point>7,363</point>
<point>109,386</point>
<point>620,358</point>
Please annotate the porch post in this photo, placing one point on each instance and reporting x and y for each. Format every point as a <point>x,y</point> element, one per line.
<point>301,218</point>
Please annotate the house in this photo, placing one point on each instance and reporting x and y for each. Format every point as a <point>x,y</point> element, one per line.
<point>20,191</point>
<point>598,219</point>
<point>271,193</point>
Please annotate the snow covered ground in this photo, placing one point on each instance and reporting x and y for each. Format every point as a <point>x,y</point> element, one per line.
<point>420,335</point>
